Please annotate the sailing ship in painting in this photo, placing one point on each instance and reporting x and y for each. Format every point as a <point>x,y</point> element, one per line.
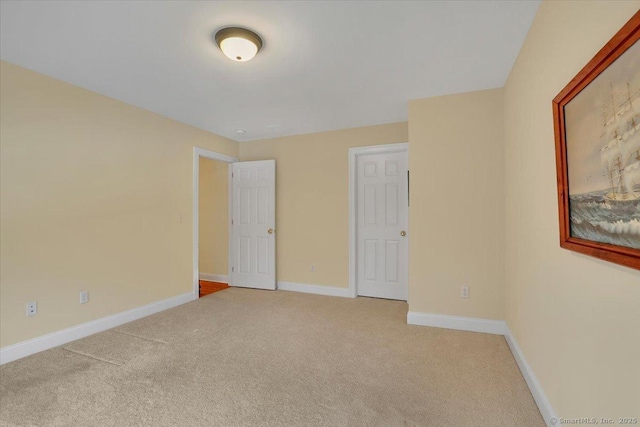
<point>612,215</point>
<point>621,155</point>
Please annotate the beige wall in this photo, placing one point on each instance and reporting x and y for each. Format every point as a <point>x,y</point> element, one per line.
<point>576,318</point>
<point>312,199</point>
<point>214,217</point>
<point>97,196</point>
<point>456,146</point>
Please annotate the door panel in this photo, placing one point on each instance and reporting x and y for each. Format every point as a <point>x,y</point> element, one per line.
<point>382,215</point>
<point>391,261</point>
<point>370,259</point>
<point>254,203</point>
<point>391,202</point>
<point>244,254</point>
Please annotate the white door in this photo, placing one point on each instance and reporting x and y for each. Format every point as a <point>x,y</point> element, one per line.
<point>253,239</point>
<point>382,217</point>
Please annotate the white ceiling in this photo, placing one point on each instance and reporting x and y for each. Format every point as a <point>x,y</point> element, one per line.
<point>324,66</point>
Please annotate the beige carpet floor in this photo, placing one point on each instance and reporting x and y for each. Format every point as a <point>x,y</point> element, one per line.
<point>244,357</point>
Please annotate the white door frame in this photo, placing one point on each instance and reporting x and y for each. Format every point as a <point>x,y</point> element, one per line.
<point>212,155</point>
<point>353,203</point>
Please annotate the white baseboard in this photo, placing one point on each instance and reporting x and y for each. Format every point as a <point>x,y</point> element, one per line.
<point>315,289</point>
<point>54,339</point>
<point>497,327</point>
<point>534,385</point>
<point>222,278</point>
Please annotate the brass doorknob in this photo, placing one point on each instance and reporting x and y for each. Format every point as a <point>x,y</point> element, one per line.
<point>403,233</point>
<point>270,231</point>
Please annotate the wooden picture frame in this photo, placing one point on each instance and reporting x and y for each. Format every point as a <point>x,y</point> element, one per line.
<point>581,228</point>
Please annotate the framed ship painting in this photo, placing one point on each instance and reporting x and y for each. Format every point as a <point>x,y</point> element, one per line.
<point>597,135</point>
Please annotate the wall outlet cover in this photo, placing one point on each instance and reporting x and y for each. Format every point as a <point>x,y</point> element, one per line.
<point>32,308</point>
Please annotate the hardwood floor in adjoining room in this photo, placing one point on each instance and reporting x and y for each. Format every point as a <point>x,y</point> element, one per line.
<point>207,287</point>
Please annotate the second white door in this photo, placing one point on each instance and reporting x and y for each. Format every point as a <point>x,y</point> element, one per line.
<point>253,239</point>
<point>382,231</point>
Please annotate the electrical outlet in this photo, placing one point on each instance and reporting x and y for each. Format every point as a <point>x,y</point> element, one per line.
<point>32,308</point>
<point>313,268</point>
<point>464,292</point>
<point>84,297</point>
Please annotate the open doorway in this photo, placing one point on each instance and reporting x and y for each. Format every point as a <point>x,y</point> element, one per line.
<point>250,222</point>
<point>213,254</point>
<point>211,221</point>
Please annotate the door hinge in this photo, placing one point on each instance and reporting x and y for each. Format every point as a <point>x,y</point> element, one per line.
<point>233,269</point>
<point>231,222</point>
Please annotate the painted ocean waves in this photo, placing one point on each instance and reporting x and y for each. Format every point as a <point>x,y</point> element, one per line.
<point>595,218</point>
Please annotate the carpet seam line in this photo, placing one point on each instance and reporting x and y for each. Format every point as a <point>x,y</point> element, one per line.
<point>138,336</point>
<point>91,356</point>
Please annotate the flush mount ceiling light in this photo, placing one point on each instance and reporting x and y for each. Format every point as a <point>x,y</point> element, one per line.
<point>238,43</point>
